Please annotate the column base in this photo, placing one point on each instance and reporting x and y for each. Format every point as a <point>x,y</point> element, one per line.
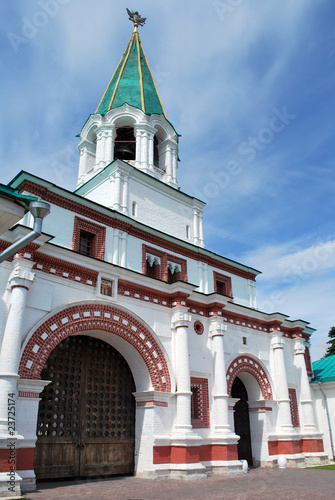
<point>10,485</point>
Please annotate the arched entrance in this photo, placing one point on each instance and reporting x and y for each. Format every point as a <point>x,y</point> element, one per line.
<point>86,416</point>
<point>241,420</point>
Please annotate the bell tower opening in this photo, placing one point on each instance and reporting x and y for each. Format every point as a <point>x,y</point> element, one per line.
<point>125,144</point>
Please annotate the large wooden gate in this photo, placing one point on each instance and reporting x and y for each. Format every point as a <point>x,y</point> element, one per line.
<point>241,420</point>
<point>86,417</point>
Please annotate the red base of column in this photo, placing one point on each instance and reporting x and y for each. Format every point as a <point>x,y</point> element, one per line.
<point>294,447</point>
<point>16,459</point>
<point>194,454</point>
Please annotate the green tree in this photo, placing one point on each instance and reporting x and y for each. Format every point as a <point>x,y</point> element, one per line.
<point>331,349</point>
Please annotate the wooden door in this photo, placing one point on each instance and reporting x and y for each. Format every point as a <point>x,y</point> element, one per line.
<point>86,417</point>
<point>241,420</point>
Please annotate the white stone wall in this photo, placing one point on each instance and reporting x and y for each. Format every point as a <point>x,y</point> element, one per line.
<point>321,413</point>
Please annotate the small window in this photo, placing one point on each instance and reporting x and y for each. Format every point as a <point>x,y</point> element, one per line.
<point>86,242</point>
<point>188,232</point>
<point>152,266</point>
<point>244,340</point>
<point>106,287</point>
<point>134,209</point>
<point>294,407</point>
<point>222,284</point>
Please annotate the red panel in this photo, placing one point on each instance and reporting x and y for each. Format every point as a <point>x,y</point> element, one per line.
<point>20,459</point>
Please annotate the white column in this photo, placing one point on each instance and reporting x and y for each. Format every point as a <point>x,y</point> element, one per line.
<point>109,151</point>
<point>20,280</point>
<point>100,154</point>
<point>116,253</point>
<point>174,165</point>
<point>150,151</point>
<point>201,231</point>
<point>83,154</point>
<point>284,410</point>
<point>124,205</point>
<point>123,256</point>
<point>117,192</point>
<point>168,163</point>
<point>221,413</point>
<point>305,391</point>
<point>180,322</point>
<point>201,277</point>
<point>195,227</point>
<point>137,133</point>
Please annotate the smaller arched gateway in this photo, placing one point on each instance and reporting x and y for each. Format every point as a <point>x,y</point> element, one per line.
<point>249,387</point>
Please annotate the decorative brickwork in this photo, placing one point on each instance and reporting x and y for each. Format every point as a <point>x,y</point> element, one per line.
<point>81,318</point>
<point>116,222</point>
<point>199,403</point>
<point>249,365</point>
<point>65,269</point>
<point>99,232</point>
<point>198,327</point>
<point>294,407</point>
<point>308,362</point>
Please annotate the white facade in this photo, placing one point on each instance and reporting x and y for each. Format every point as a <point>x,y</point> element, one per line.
<point>122,259</point>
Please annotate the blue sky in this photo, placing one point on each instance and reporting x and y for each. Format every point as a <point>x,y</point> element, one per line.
<point>249,85</point>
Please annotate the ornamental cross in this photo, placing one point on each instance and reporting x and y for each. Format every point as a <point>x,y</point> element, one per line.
<point>136,18</point>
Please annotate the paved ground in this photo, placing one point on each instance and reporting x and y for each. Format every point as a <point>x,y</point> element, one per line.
<point>265,484</point>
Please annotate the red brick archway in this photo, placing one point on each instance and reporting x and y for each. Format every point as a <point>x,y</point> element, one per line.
<point>84,317</point>
<point>249,365</point>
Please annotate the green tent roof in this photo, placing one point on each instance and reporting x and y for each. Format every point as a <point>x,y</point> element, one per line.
<point>324,369</point>
<point>132,82</point>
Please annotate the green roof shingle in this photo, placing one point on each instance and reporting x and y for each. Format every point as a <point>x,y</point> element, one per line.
<point>324,369</point>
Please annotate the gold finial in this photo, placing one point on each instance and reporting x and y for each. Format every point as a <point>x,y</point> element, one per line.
<point>136,19</point>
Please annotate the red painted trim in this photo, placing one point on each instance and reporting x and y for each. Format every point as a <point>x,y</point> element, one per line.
<point>247,364</point>
<point>194,454</point>
<point>65,269</point>
<point>98,248</point>
<point>138,232</point>
<point>293,447</point>
<point>198,327</point>
<point>85,317</point>
<point>19,286</point>
<point>294,407</point>
<point>23,458</point>
<point>226,280</point>
<point>151,404</point>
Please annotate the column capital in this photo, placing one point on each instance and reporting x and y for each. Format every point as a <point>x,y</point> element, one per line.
<point>21,274</point>
<point>277,341</point>
<point>180,318</point>
<point>299,346</point>
<point>217,327</point>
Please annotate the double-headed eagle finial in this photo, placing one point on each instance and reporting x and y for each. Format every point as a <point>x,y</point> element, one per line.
<point>136,18</point>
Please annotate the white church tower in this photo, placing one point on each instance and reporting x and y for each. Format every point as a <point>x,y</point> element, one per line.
<point>129,153</point>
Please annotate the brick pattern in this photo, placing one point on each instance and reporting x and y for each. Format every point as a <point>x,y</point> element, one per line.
<point>249,365</point>
<point>98,245</point>
<point>65,269</point>
<point>138,232</point>
<point>194,454</point>
<point>198,327</point>
<point>81,318</point>
<point>308,362</point>
<point>199,403</point>
<point>294,407</point>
